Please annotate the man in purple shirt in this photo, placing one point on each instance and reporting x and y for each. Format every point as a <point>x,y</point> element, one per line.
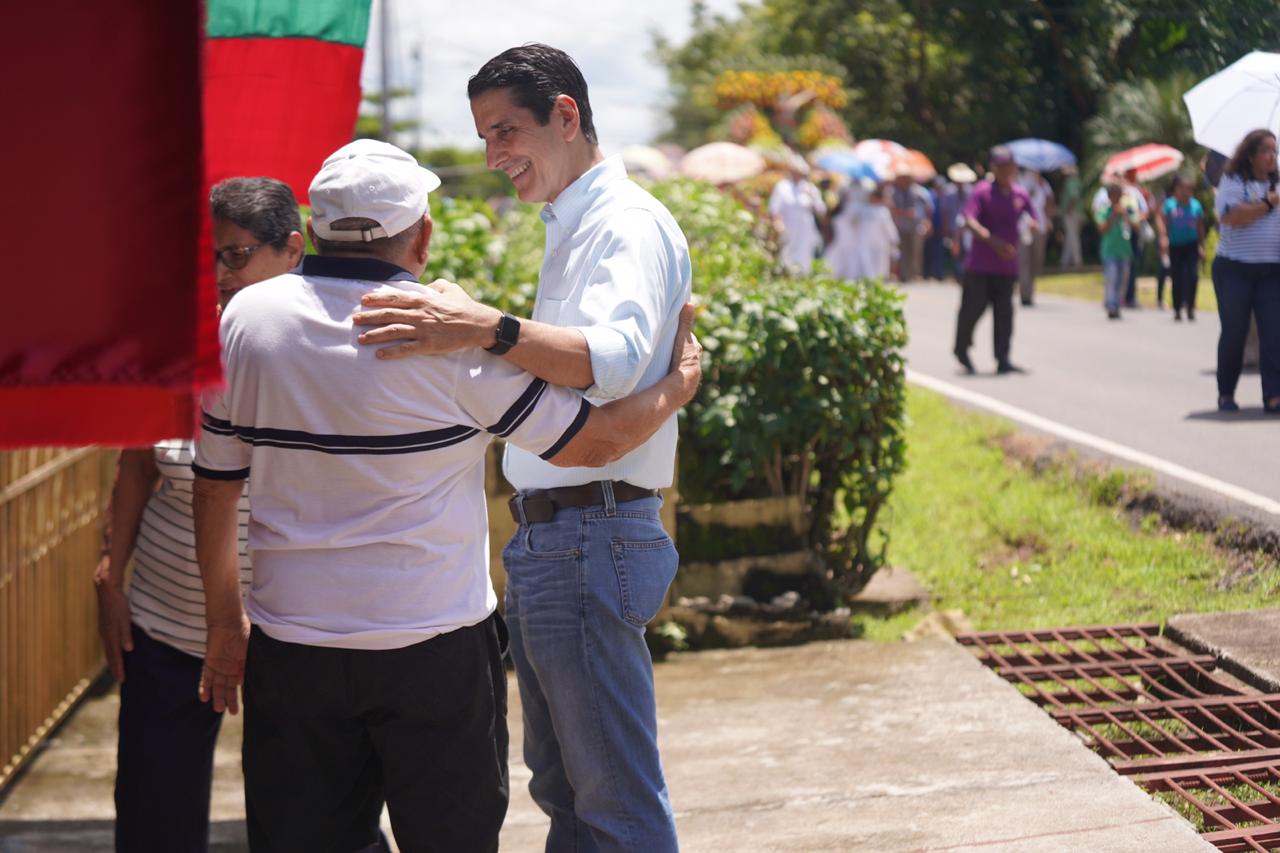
<point>992,213</point>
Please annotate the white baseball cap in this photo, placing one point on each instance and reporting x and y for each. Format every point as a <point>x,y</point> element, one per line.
<point>368,179</point>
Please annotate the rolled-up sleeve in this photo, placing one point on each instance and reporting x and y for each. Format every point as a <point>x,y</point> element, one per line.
<point>628,294</point>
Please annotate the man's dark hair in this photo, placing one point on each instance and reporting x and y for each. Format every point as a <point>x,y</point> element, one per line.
<point>264,207</point>
<point>1241,163</point>
<point>386,248</point>
<point>536,74</point>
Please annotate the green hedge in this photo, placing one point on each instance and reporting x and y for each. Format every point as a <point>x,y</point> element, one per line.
<point>803,391</point>
<point>803,384</point>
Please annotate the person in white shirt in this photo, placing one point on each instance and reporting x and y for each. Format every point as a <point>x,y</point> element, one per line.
<point>374,665</point>
<point>795,204</point>
<point>866,240</point>
<point>590,562</point>
<point>1034,237</point>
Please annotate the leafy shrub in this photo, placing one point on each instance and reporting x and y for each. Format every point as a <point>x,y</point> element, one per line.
<point>803,392</point>
<point>803,389</point>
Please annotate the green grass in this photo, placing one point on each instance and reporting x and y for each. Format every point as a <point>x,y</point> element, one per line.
<point>1088,287</point>
<point>1013,549</point>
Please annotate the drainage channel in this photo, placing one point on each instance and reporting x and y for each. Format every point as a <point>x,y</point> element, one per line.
<point>1167,718</point>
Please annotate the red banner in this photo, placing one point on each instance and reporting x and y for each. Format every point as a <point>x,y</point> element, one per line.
<point>110,331</point>
<point>278,106</point>
<point>101,340</point>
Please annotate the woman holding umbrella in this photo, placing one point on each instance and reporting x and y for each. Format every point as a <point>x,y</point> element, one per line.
<point>1246,271</point>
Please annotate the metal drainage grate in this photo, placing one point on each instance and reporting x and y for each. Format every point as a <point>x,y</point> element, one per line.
<point>1235,807</point>
<point>1095,667</point>
<point>1159,714</point>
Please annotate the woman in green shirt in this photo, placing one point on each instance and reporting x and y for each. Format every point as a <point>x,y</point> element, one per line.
<point>1116,222</point>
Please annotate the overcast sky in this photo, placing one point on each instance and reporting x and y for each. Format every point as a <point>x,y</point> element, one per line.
<point>609,39</point>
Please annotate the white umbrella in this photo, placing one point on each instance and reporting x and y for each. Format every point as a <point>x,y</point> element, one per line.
<point>646,160</point>
<point>722,163</point>
<point>1242,97</point>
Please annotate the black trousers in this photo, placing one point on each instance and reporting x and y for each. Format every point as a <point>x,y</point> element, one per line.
<point>165,755</point>
<point>1244,289</point>
<point>977,291</point>
<point>1184,272</point>
<point>329,733</point>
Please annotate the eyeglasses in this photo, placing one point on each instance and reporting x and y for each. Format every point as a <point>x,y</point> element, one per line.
<point>235,257</point>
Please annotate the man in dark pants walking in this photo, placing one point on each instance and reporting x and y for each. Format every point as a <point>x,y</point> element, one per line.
<point>992,213</point>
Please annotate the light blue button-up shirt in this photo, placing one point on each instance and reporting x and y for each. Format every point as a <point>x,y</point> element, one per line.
<point>616,268</point>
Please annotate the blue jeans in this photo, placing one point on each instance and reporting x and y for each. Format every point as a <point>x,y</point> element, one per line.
<point>1243,289</point>
<point>1115,273</point>
<point>580,589</point>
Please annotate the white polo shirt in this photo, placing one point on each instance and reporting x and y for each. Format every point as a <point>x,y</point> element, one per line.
<point>616,267</point>
<point>367,525</point>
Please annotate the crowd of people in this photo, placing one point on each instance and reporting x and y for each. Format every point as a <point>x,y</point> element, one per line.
<point>993,234</point>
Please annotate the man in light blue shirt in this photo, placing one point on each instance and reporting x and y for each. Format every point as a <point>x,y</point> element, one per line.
<point>590,562</point>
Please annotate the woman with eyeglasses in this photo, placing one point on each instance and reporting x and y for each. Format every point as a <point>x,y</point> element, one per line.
<point>154,634</point>
<point>1246,269</point>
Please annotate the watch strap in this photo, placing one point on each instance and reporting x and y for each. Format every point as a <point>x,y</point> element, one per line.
<point>508,334</point>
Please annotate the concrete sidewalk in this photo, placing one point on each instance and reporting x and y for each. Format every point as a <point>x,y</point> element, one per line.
<point>830,746</point>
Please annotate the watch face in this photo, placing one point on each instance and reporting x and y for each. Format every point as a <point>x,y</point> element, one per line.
<point>508,330</point>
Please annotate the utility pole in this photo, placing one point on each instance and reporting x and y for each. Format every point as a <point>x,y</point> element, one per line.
<point>384,39</point>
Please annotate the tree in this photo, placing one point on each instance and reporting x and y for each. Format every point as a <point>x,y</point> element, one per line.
<point>1136,113</point>
<point>954,78</point>
<point>369,123</point>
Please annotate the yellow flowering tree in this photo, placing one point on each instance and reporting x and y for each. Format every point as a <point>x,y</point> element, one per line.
<point>788,106</point>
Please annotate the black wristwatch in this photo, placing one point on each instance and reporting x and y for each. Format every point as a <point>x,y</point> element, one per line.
<point>508,334</point>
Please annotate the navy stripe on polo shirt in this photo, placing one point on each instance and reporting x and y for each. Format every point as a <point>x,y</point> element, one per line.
<point>368,525</point>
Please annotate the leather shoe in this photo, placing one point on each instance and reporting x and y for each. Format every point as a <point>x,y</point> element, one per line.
<point>963,358</point>
<point>1008,367</point>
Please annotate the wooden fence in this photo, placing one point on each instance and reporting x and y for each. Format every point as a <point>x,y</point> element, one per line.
<point>51,504</point>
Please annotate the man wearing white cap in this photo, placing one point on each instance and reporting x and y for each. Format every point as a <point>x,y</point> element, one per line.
<point>374,661</point>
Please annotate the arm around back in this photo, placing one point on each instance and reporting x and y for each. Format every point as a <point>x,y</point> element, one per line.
<point>615,429</point>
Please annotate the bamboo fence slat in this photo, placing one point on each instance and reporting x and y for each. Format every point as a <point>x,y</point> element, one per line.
<point>51,505</point>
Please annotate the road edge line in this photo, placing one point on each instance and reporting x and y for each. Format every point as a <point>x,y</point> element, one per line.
<point>1111,448</point>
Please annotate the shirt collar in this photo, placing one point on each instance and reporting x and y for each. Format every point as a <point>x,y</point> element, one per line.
<point>577,198</point>
<point>360,269</point>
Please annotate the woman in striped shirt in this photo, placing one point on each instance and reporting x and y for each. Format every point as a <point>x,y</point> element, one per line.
<point>1246,271</point>
<point>154,635</point>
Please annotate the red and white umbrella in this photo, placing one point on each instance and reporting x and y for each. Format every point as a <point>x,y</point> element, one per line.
<point>921,167</point>
<point>1150,161</point>
<point>880,154</point>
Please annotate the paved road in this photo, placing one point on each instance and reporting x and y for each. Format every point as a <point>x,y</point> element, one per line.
<point>1144,382</point>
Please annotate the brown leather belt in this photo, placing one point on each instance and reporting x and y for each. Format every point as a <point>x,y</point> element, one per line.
<point>539,505</point>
